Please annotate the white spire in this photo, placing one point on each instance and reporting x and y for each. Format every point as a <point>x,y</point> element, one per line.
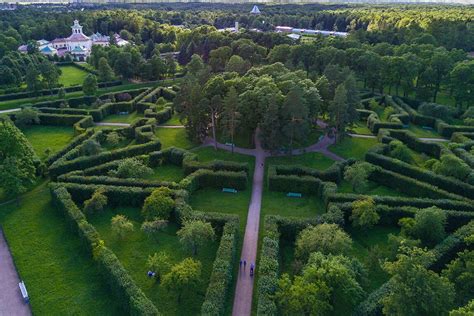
<point>255,10</point>
<point>76,28</point>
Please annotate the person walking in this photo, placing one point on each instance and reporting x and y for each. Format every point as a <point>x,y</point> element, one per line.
<point>240,263</point>
<point>251,269</point>
<point>245,263</point>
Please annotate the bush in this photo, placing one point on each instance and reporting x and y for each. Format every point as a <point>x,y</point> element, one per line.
<point>96,203</point>
<point>90,148</point>
<point>159,204</point>
<point>131,168</point>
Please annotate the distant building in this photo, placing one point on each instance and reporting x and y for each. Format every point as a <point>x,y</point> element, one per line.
<point>288,29</point>
<point>77,44</point>
<point>255,10</point>
<point>234,29</point>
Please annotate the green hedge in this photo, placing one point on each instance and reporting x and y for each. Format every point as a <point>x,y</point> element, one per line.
<point>413,142</point>
<point>205,178</point>
<point>268,268</point>
<point>445,183</point>
<point>122,285</point>
<point>161,116</point>
<point>466,156</point>
<point>74,143</point>
<point>397,201</point>
<point>222,272</point>
<point>89,161</point>
<point>116,181</point>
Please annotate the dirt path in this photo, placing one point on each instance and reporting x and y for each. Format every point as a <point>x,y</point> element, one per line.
<point>244,288</point>
<point>11,301</point>
<point>112,124</point>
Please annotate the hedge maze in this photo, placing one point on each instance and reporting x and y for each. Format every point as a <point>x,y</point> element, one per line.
<point>420,173</point>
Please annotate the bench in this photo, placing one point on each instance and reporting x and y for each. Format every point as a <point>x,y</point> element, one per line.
<point>229,144</point>
<point>229,190</point>
<point>123,113</point>
<point>24,292</point>
<point>427,127</point>
<point>293,194</point>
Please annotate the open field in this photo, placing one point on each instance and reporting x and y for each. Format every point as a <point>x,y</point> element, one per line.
<point>43,137</point>
<point>71,76</point>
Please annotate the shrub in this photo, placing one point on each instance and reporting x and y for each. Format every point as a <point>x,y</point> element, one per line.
<point>334,215</point>
<point>131,168</point>
<point>194,234</point>
<point>364,214</point>
<point>152,227</point>
<point>27,116</point>
<point>358,174</point>
<point>91,148</point>
<point>452,166</point>
<point>428,225</point>
<point>113,139</point>
<point>121,226</point>
<point>159,204</point>
<point>400,151</point>
<point>96,203</point>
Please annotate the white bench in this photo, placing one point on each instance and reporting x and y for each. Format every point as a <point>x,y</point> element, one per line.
<point>24,292</point>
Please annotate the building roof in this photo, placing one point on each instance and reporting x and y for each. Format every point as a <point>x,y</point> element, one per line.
<point>78,50</point>
<point>42,42</point>
<point>78,37</point>
<point>58,40</point>
<point>255,10</point>
<point>23,48</point>
<point>48,49</point>
<point>294,36</point>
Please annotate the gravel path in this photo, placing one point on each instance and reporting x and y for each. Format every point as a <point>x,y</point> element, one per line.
<point>11,301</point>
<point>9,111</point>
<point>112,124</point>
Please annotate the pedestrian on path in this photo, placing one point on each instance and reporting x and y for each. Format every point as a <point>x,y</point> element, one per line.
<point>251,269</point>
<point>245,263</point>
<point>240,263</point>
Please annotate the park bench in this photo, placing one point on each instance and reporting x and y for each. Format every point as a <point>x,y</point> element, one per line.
<point>229,190</point>
<point>123,113</point>
<point>229,144</point>
<point>293,194</point>
<point>427,127</point>
<point>24,292</point>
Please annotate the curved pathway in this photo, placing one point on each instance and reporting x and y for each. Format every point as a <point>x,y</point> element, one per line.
<point>11,301</point>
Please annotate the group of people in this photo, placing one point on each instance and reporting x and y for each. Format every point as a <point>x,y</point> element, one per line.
<point>244,263</point>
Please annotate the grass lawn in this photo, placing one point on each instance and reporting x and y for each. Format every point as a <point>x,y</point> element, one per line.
<point>209,154</point>
<point>60,276</point>
<point>277,203</point>
<point>311,160</point>
<point>72,76</point>
<point>351,147</point>
<point>360,128</point>
<point>422,132</point>
<point>133,252</point>
<point>167,172</point>
<point>43,137</point>
<point>363,242</point>
<point>117,118</point>
<point>373,189</point>
<point>174,120</point>
<point>174,137</point>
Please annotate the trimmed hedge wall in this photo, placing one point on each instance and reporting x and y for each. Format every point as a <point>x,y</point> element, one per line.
<point>75,142</point>
<point>205,178</point>
<point>445,183</point>
<point>121,283</point>
<point>89,161</point>
<point>105,180</point>
<point>222,272</point>
<point>413,142</point>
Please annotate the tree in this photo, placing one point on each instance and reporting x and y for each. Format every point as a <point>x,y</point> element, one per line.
<point>131,168</point>
<point>415,290</point>
<point>91,148</point>
<point>159,204</point>
<point>467,310</point>
<point>32,79</point>
<point>358,174</point>
<point>270,131</point>
<point>302,297</point>
<point>325,238</point>
<point>461,273</point>
<point>338,111</point>
<point>237,64</point>
<point>90,85</point>
<point>295,116</point>
<point>105,71</point>
<point>428,225</point>
<point>113,139</point>
<point>50,74</point>
<point>97,202</point>
<point>61,94</point>
<point>230,115</point>
<point>195,234</point>
<point>17,160</point>
<point>452,166</point>
<point>183,276</point>
<point>154,226</point>
<point>400,151</point>
<point>364,214</point>
<point>27,116</point>
<point>160,263</point>
<point>121,226</point>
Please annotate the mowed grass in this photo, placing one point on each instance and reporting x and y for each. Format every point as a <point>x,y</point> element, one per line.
<point>133,252</point>
<point>352,147</point>
<point>174,137</point>
<point>43,137</point>
<point>277,203</point>
<point>423,132</point>
<point>72,76</point>
<point>372,189</point>
<point>60,276</point>
<point>119,118</point>
<point>167,172</point>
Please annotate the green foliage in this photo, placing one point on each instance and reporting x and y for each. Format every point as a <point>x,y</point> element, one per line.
<point>121,226</point>
<point>159,204</point>
<point>415,290</point>
<point>96,203</point>
<point>89,87</point>
<point>195,234</point>
<point>27,116</point>
<point>358,174</point>
<point>131,168</point>
<point>400,151</point>
<point>364,214</point>
<point>159,263</point>
<point>18,161</point>
<point>428,225</point>
<point>452,166</point>
<point>461,273</point>
<point>154,226</point>
<point>184,275</point>
<point>324,238</point>
<point>464,310</point>
<point>91,148</point>
<point>113,139</point>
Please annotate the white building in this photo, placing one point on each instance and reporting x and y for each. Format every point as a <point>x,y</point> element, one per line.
<point>77,44</point>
